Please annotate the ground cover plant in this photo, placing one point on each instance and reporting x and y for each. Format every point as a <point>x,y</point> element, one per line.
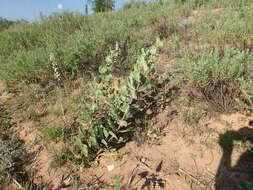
<point>220,74</point>
<point>12,155</point>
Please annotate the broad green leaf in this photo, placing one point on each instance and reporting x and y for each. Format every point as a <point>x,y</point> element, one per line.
<point>122,123</point>
<point>106,133</point>
<point>93,140</point>
<point>82,147</point>
<point>104,142</point>
<point>121,140</point>
<point>113,135</point>
<point>136,76</point>
<point>125,107</point>
<point>117,185</point>
<point>158,43</point>
<point>102,69</point>
<point>82,132</point>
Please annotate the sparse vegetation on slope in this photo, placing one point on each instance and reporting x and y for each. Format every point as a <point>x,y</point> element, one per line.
<point>83,87</point>
<point>78,43</point>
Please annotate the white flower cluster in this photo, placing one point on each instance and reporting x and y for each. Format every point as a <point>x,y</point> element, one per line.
<point>57,74</point>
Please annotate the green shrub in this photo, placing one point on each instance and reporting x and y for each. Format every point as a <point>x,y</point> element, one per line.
<point>196,3</point>
<point>247,93</point>
<point>26,66</point>
<point>192,118</point>
<point>21,37</point>
<point>103,5</point>
<point>218,74</point>
<point>107,111</point>
<point>208,66</point>
<point>230,27</point>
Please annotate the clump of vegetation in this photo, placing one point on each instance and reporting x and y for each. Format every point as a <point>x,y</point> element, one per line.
<point>219,74</point>
<point>53,132</point>
<point>11,153</point>
<point>103,5</point>
<point>196,2</point>
<point>130,4</point>
<point>61,157</point>
<point>233,28</point>
<point>10,159</point>
<point>192,118</point>
<point>79,43</point>
<point>5,24</point>
<point>109,111</point>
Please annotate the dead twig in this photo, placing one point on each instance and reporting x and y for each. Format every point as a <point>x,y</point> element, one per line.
<point>153,171</point>
<point>194,178</point>
<point>131,176</point>
<point>17,183</point>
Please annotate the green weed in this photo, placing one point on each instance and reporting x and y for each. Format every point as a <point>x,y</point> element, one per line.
<point>192,118</point>
<point>31,114</point>
<point>61,157</point>
<point>53,132</point>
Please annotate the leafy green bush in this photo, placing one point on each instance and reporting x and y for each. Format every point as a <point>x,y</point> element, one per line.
<point>22,37</point>
<point>103,5</point>
<point>26,66</point>
<point>219,74</point>
<point>108,110</point>
<point>208,66</point>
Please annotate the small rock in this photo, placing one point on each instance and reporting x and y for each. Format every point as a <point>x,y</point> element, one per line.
<point>110,168</point>
<point>149,112</point>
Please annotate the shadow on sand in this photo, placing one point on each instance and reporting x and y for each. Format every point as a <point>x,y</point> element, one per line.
<point>240,176</point>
